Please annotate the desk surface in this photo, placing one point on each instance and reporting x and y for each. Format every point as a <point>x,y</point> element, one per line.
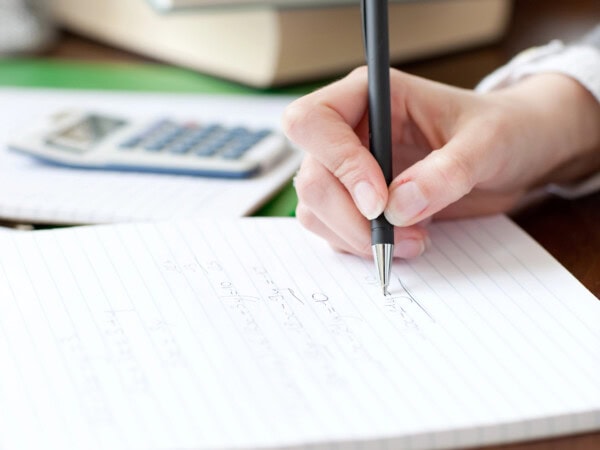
<point>569,230</point>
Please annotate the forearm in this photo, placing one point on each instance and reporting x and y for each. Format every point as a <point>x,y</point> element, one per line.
<point>555,90</point>
<point>557,121</point>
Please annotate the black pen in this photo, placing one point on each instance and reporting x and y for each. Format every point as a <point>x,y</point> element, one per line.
<point>375,32</point>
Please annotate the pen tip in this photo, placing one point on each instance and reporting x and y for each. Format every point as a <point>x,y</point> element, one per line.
<point>383,254</point>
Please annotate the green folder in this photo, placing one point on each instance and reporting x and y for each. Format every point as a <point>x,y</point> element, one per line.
<point>51,73</point>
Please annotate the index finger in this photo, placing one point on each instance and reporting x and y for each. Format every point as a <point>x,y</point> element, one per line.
<point>323,124</point>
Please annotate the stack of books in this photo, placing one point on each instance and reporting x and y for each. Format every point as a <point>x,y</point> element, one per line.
<point>279,42</point>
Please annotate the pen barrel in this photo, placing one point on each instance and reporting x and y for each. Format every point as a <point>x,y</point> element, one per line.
<point>375,28</point>
<point>378,62</point>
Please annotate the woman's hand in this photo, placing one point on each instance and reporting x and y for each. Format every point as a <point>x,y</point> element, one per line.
<point>455,153</point>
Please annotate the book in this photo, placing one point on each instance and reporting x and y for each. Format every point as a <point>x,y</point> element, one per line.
<point>254,334</point>
<point>168,5</point>
<point>276,45</point>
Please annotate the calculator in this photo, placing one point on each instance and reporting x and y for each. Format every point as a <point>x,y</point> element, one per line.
<point>89,140</point>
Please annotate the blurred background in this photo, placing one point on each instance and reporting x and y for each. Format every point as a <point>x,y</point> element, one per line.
<point>266,44</point>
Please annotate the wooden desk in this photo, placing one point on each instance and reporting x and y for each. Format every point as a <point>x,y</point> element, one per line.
<point>569,230</point>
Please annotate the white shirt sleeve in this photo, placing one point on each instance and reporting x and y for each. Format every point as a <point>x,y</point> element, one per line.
<point>580,61</point>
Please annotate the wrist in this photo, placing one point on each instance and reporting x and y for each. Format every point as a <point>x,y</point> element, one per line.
<point>558,120</point>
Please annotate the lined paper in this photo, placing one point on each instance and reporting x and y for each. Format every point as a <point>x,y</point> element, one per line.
<point>254,334</point>
<point>31,191</point>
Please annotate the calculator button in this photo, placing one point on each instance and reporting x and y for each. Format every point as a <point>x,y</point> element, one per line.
<point>154,146</point>
<point>237,148</point>
<point>239,131</point>
<point>242,147</point>
<point>232,153</point>
<point>131,143</point>
<point>181,147</point>
<point>260,135</point>
<point>207,150</point>
<point>213,145</point>
<point>136,140</point>
<point>203,133</point>
<point>255,138</point>
<point>164,138</point>
<point>157,127</point>
<point>172,134</point>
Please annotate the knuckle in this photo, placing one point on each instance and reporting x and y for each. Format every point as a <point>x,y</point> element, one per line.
<point>310,184</point>
<point>347,167</point>
<point>360,71</point>
<point>456,171</point>
<point>294,117</point>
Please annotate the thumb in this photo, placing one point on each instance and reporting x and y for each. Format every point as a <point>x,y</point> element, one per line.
<point>443,177</point>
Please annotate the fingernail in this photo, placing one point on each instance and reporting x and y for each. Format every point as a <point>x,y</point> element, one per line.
<point>406,202</point>
<point>367,200</point>
<point>409,248</point>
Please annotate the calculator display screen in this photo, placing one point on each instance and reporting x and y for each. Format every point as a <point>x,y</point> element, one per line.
<point>83,135</point>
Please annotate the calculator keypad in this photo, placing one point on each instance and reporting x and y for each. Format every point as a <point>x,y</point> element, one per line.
<point>210,141</point>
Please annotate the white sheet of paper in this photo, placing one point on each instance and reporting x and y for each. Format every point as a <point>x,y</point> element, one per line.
<point>254,334</point>
<point>31,191</point>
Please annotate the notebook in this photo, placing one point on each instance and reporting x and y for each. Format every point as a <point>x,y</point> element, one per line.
<point>254,334</point>
<point>31,191</point>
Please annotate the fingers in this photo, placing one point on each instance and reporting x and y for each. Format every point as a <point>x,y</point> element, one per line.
<point>326,208</point>
<point>405,247</point>
<point>475,149</point>
<point>440,179</point>
<point>323,124</point>
<point>324,196</point>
